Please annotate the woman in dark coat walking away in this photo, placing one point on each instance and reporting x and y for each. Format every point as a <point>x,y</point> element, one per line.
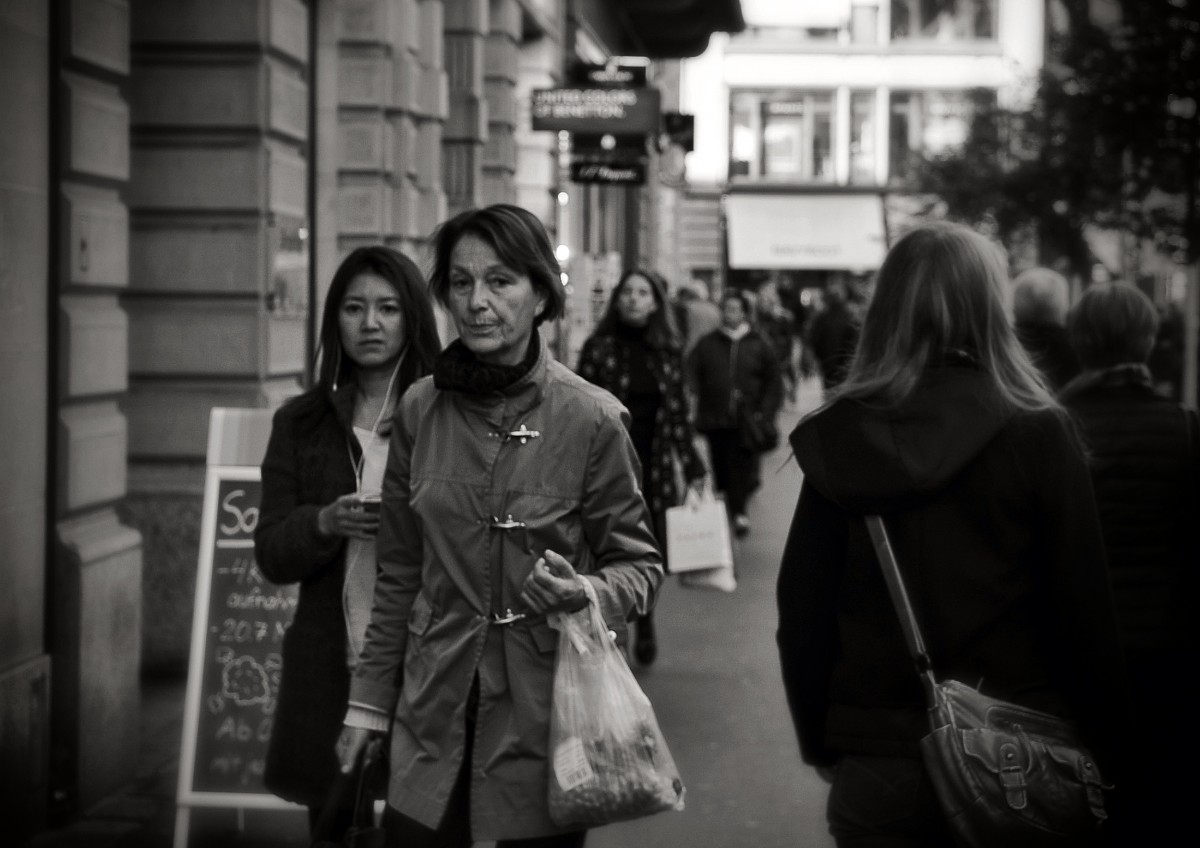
<point>1144,455</point>
<point>734,371</point>
<point>945,428</point>
<point>323,463</point>
<point>636,353</point>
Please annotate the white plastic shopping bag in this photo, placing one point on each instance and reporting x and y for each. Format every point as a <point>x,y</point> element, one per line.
<point>608,759</point>
<point>699,547</point>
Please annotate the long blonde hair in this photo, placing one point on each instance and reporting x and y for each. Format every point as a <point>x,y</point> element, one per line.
<point>942,289</point>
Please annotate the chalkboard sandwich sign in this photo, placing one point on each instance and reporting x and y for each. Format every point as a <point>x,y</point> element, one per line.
<point>237,633</point>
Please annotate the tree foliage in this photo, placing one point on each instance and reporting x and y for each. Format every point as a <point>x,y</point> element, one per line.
<point>1108,139</point>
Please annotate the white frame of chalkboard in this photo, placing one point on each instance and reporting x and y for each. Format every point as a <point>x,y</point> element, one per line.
<point>185,796</point>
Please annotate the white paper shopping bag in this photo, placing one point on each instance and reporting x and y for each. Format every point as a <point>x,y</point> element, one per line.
<point>698,535</point>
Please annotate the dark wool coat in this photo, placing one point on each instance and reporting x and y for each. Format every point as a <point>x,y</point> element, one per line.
<point>994,526</point>
<point>722,371</point>
<point>308,464</point>
<point>604,361</point>
<point>1147,482</point>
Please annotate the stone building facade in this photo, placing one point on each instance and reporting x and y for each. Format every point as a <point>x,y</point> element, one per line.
<point>178,181</point>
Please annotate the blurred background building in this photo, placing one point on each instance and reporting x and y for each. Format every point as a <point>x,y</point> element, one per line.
<point>810,122</point>
<point>178,181</point>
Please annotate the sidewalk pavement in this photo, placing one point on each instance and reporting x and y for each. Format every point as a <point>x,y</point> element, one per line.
<point>143,814</point>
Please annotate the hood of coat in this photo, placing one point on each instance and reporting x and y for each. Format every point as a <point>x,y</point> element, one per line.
<point>872,459</point>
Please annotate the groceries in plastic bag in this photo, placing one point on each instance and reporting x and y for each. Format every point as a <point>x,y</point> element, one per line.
<point>608,759</point>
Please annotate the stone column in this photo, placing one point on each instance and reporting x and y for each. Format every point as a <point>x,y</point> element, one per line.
<point>466,29</point>
<point>540,66</point>
<point>501,71</point>
<point>218,293</point>
<point>98,560</point>
<point>25,358</point>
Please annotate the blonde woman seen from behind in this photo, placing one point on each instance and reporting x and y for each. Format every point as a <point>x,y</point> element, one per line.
<point>945,428</point>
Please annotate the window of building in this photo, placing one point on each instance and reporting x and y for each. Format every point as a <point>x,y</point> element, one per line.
<point>943,20</point>
<point>788,135</point>
<point>864,24</point>
<point>862,137</point>
<point>929,122</point>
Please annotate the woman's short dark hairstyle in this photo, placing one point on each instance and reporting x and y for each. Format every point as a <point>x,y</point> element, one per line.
<point>661,332</point>
<point>520,241</point>
<point>1113,323</point>
<point>416,313</point>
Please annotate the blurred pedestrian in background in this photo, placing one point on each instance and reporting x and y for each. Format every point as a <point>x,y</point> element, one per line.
<point>735,373</point>
<point>833,334</point>
<point>698,315</point>
<point>775,323</point>
<point>317,526</point>
<point>1039,307</point>
<point>636,354</point>
<point>511,483</point>
<point>1144,454</point>
<point>944,428</point>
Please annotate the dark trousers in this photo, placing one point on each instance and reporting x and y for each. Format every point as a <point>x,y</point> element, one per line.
<point>735,469</point>
<point>454,831</point>
<point>885,802</point>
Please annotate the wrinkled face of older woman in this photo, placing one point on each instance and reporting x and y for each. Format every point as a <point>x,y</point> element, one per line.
<point>636,303</point>
<point>493,306</point>
<point>370,322</point>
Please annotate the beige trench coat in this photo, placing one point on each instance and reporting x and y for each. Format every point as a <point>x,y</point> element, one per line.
<point>476,488</point>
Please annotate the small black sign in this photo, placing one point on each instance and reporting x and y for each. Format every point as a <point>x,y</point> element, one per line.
<point>612,75</point>
<point>612,173</point>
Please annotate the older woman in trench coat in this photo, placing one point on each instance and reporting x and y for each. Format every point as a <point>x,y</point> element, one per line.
<point>510,482</point>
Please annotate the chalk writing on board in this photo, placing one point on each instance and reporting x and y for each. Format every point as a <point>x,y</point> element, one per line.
<point>247,619</point>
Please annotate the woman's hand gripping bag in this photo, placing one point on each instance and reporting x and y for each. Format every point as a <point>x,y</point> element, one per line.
<point>608,759</point>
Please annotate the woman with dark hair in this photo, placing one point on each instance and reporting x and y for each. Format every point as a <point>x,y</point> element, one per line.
<point>735,373</point>
<point>1144,455</point>
<point>946,429</point>
<point>510,493</point>
<point>636,353</point>
<point>316,526</point>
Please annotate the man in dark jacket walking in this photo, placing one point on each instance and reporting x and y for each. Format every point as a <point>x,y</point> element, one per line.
<point>735,374</point>
<point>1040,297</point>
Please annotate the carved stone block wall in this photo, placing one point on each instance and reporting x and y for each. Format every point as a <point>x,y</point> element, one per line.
<point>218,256</point>
<point>98,561</point>
<point>25,289</point>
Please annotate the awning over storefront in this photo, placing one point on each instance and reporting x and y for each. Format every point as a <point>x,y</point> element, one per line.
<point>838,232</point>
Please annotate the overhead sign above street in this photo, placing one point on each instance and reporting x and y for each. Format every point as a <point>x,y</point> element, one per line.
<point>617,111</point>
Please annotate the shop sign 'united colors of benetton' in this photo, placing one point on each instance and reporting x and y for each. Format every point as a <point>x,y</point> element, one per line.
<point>618,111</point>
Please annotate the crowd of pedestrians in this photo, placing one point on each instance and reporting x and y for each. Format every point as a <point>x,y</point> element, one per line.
<point>437,505</point>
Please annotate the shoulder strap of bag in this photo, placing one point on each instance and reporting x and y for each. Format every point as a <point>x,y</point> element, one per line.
<point>904,610</point>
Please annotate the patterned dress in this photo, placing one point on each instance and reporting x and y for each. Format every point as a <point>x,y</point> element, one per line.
<point>614,362</point>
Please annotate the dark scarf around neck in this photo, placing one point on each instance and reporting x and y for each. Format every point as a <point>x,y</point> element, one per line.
<point>456,369</point>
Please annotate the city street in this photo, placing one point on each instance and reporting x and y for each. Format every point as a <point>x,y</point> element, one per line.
<point>717,693</point>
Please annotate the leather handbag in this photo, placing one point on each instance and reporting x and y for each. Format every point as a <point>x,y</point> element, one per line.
<point>756,432</point>
<point>1004,775</point>
<point>363,832</point>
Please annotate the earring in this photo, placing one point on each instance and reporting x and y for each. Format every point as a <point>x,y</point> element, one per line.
<point>337,364</point>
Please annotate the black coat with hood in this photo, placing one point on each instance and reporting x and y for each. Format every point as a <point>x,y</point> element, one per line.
<point>994,525</point>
